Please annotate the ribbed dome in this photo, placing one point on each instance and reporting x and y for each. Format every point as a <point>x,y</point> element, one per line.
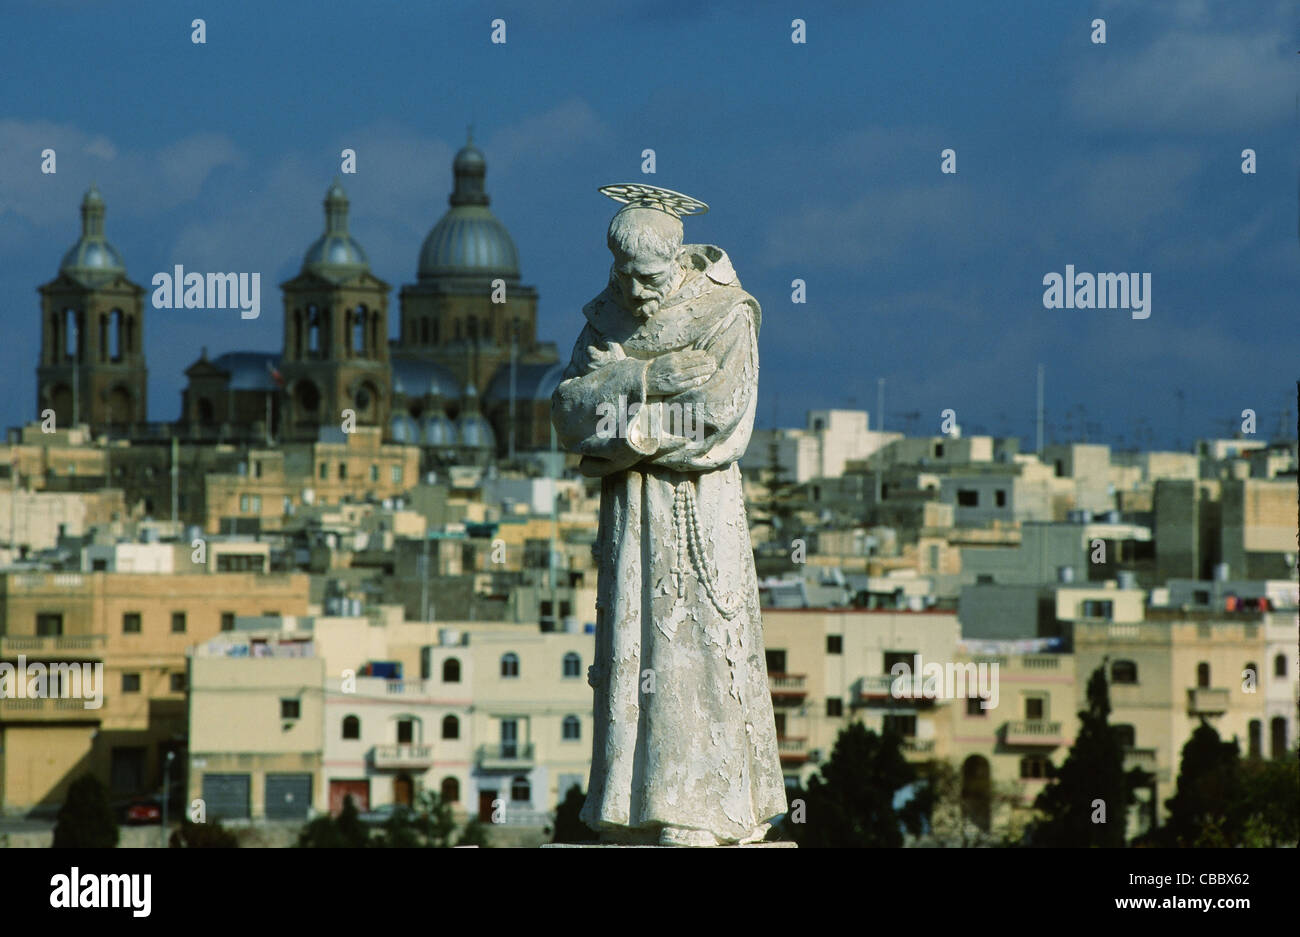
<point>92,260</point>
<point>335,253</point>
<point>439,431</point>
<point>469,241</point>
<point>403,428</point>
<point>472,429</point>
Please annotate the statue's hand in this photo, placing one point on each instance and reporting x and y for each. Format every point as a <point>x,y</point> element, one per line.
<point>599,357</point>
<point>679,371</point>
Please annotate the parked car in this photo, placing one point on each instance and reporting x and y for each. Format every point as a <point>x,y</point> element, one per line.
<point>142,811</point>
<point>385,812</point>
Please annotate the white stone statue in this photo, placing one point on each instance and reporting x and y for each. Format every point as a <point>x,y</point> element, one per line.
<point>659,401</point>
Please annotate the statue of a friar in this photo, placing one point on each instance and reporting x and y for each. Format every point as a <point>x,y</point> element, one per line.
<point>659,401</point>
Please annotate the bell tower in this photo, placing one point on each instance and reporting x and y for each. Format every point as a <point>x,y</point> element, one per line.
<point>335,355</point>
<point>92,367</point>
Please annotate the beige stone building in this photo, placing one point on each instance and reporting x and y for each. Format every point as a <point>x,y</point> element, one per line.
<point>139,627</point>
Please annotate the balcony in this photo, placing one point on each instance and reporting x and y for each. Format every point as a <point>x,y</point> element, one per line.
<point>1206,701</point>
<point>787,687</point>
<point>792,749</point>
<point>1144,758</point>
<point>402,756</point>
<point>47,710</point>
<point>505,757</point>
<point>872,688</point>
<point>1033,732</point>
<point>56,647</point>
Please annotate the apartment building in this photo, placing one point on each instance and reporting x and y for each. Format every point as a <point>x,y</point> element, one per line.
<point>138,627</point>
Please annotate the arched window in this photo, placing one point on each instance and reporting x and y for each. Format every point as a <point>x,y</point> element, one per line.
<point>1123,671</point>
<point>1251,669</point>
<point>1126,735</point>
<point>359,330</point>
<point>114,343</point>
<point>451,670</point>
<point>976,792</point>
<point>510,664</point>
<point>520,789</point>
<point>572,665</point>
<point>1203,675</point>
<point>572,728</point>
<point>450,727</point>
<point>450,790</point>
<point>1256,739</point>
<point>351,727</point>
<point>1279,665</point>
<point>315,336</point>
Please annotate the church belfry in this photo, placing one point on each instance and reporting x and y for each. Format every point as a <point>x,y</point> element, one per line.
<point>92,366</point>
<point>335,354</point>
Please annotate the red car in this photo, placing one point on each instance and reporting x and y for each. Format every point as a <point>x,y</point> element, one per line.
<point>141,812</point>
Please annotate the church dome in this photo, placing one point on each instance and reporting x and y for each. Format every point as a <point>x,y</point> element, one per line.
<point>335,253</point>
<point>439,431</point>
<point>92,260</point>
<point>469,241</point>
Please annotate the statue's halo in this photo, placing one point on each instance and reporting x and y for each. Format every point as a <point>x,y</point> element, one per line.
<point>639,195</point>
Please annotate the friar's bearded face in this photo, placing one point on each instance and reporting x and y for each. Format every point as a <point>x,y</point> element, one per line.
<point>644,281</point>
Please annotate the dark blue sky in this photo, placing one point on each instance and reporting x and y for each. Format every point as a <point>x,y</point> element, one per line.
<point>820,161</point>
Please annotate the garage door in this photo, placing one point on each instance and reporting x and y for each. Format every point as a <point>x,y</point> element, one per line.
<point>288,796</point>
<point>226,796</point>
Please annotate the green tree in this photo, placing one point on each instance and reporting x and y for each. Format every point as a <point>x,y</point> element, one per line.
<point>428,826</point>
<point>569,828</point>
<point>85,820</point>
<point>203,836</point>
<point>1208,808</point>
<point>474,833</point>
<point>345,832</point>
<point>1093,771</point>
<point>851,803</point>
<point>1271,790</point>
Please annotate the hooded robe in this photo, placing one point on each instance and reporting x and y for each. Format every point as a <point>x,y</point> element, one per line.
<point>684,733</point>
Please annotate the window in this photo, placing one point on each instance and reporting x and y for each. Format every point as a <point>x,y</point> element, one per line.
<point>835,644</point>
<point>243,504</point>
<point>130,683</point>
<point>1277,737</point>
<point>1098,608</point>
<point>257,468</point>
<point>1256,736</point>
<point>834,706</point>
<point>351,727</point>
<point>899,657</point>
<point>450,727</point>
<point>1000,498</point>
<point>405,731</point>
<point>973,707</point>
<point>1279,665</point>
<point>290,709</point>
<point>227,621</point>
<point>1033,766</point>
<point>776,662</point>
<point>178,682</point>
<point>178,622</point>
<point>1202,675</point>
<point>900,725</point>
<point>324,471</point>
<point>343,471</point>
<point>520,789</point>
<point>572,665</point>
<point>396,474</point>
<point>49,624</point>
<point>257,504</point>
<point>451,670</point>
<point>968,498</point>
<point>450,790</point>
<point>130,623</point>
<point>572,728</point>
<point>1125,735</point>
<point>1123,671</point>
<point>1035,706</point>
<point>510,664</point>
<point>938,450</point>
<point>374,473</point>
<point>1253,671</point>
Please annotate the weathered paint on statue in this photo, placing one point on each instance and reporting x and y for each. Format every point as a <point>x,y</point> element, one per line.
<point>659,401</point>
